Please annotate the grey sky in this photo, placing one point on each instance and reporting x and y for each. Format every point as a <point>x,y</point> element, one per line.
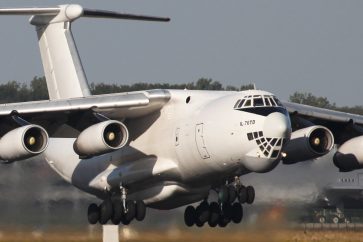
<point>282,46</point>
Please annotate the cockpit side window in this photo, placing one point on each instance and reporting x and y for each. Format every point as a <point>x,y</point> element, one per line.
<point>272,101</point>
<point>241,103</point>
<point>277,102</point>
<point>267,101</point>
<point>236,105</point>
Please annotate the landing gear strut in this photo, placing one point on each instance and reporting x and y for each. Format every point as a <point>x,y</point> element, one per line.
<point>227,210</point>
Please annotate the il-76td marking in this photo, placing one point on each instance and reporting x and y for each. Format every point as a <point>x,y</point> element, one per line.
<point>247,122</point>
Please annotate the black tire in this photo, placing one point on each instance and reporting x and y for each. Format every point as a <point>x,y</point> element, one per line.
<point>124,221</point>
<point>232,194</point>
<point>93,213</point>
<point>242,194</point>
<point>223,194</point>
<point>250,194</point>
<point>227,211</point>
<point>335,220</point>
<point>214,213</point>
<point>189,216</point>
<point>106,211</point>
<point>199,223</point>
<point>321,219</point>
<point>131,211</point>
<point>117,213</point>
<point>223,221</point>
<point>237,213</point>
<point>140,210</point>
<point>202,212</point>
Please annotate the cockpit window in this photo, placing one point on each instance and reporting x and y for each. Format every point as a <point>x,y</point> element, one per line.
<point>248,103</point>
<point>241,103</point>
<point>236,105</point>
<point>267,101</point>
<point>277,102</point>
<point>257,101</point>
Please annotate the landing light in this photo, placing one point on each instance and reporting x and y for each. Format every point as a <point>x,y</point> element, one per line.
<point>283,154</point>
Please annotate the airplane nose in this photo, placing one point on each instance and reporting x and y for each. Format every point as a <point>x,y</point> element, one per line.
<point>277,125</point>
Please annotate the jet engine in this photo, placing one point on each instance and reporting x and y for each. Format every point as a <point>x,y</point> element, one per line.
<point>23,142</point>
<point>101,138</point>
<point>350,155</point>
<point>308,143</point>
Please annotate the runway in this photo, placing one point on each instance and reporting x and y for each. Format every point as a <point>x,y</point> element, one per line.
<point>297,232</point>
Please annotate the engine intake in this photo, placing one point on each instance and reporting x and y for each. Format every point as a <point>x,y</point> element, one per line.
<point>101,138</point>
<point>349,156</point>
<point>23,142</point>
<point>308,143</point>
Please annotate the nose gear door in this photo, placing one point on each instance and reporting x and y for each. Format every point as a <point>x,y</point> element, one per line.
<point>199,139</point>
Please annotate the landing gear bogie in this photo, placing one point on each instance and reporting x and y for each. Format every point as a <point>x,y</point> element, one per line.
<point>115,212</point>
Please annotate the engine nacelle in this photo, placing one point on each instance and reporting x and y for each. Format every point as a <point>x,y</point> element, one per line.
<point>308,143</point>
<point>101,138</point>
<point>23,142</point>
<point>350,155</point>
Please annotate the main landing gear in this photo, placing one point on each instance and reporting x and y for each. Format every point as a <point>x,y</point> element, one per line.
<point>118,211</point>
<point>228,209</point>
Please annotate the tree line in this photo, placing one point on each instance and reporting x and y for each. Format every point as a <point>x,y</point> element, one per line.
<point>14,91</point>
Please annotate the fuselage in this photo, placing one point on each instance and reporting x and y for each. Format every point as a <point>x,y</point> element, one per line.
<point>197,141</point>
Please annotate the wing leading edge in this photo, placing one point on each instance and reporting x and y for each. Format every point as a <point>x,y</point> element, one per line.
<point>79,112</point>
<point>343,125</point>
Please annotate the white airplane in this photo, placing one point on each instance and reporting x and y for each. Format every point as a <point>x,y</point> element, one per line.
<point>160,148</point>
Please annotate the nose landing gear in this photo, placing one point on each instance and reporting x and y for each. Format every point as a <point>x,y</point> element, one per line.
<point>225,211</point>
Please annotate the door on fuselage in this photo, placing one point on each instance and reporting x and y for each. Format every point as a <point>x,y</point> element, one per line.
<point>199,139</point>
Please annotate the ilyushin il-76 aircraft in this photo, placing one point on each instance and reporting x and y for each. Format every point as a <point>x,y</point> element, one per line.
<point>161,148</point>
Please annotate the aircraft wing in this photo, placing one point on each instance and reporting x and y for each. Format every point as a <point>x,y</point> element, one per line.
<point>79,113</point>
<point>343,125</point>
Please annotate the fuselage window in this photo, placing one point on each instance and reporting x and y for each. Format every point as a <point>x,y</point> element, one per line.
<point>258,102</point>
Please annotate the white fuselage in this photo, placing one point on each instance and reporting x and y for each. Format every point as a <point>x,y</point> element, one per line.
<point>176,155</point>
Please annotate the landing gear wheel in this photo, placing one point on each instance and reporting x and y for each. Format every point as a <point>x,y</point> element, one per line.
<point>93,213</point>
<point>130,211</point>
<point>106,211</point>
<point>214,213</point>
<point>335,220</point>
<point>227,211</point>
<point>223,221</point>
<point>223,194</point>
<point>250,194</point>
<point>237,213</point>
<point>199,223</point>
<point>189,216</point>
<point>117,213</point>
<point>232,194</point>
<point>140,210</point>
<point>321,219</point>
<point>202,213</point>
<point>242,194</point>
